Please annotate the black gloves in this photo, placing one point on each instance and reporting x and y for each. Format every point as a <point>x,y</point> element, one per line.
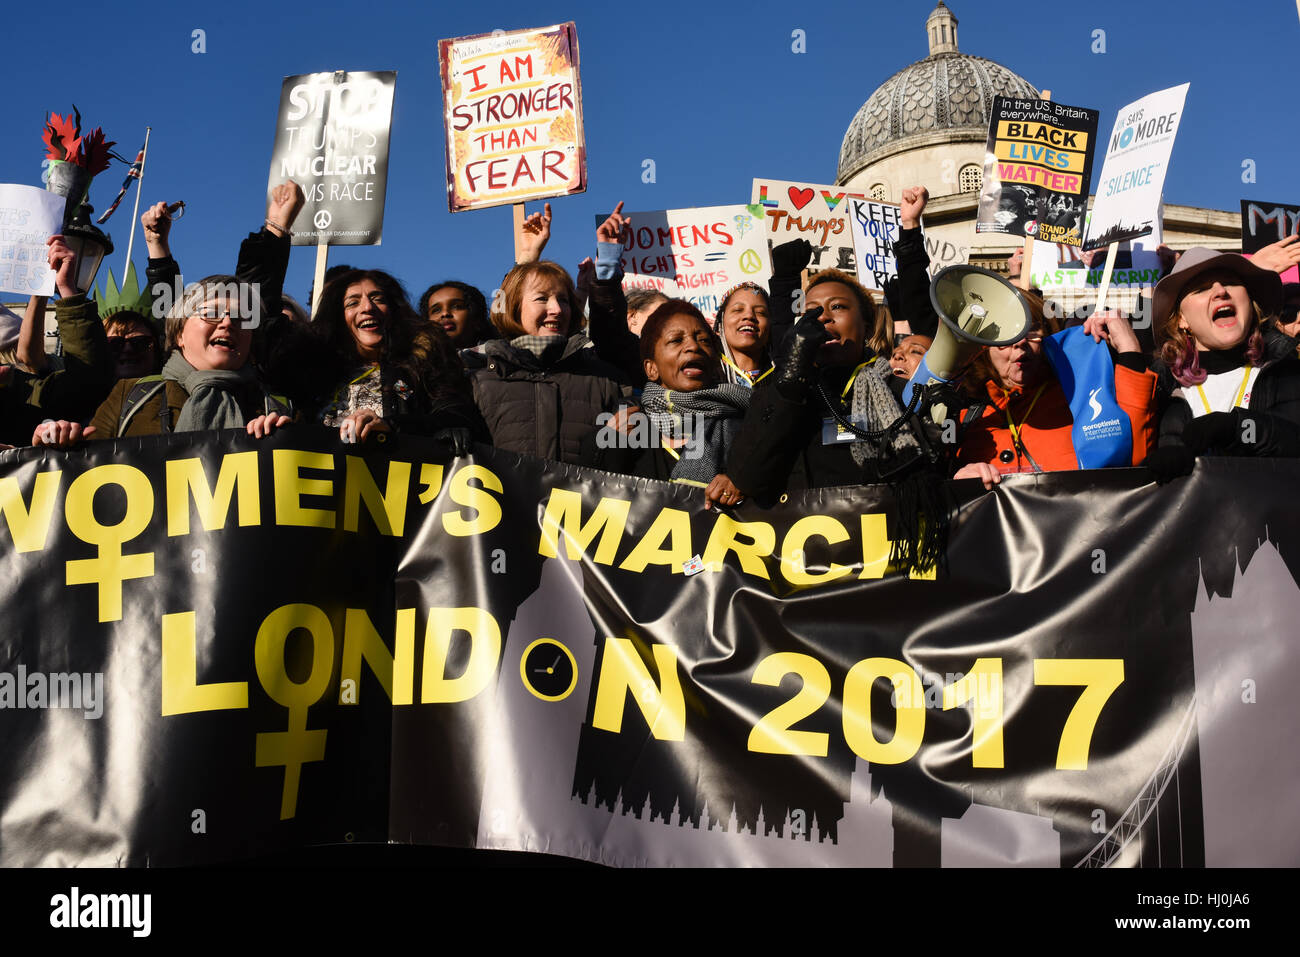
<point>792,258</point>
<point>457,439</point>
<point>808,335</point>
<point>1170,462</point>
<point>1211,431</point>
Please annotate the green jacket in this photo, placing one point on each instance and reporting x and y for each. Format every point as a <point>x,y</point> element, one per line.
<point>72,392</point>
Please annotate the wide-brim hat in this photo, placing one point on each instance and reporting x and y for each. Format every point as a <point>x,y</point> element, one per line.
<point>1264,285</point>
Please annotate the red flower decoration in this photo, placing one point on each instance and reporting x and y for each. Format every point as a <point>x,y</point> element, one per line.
<point>94,152</point>
<point>63,137</point>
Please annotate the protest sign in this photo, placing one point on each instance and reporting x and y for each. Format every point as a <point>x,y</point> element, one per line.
<point>28,217</point>
<point>513,114</point>
<point>818,214</point>
<point>1053,277</point>
<point>875,229</point>
<point>704,251</point>
<point>944,252</point>
<point>1133,173</point>
<point>1263,224</point>
<point>1037,169</point>
<point>331,138</point>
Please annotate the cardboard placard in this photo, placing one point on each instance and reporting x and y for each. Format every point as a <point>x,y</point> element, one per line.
<point>512,109</point>
<point>1037,167</point>
<point>1133,173</point>
<point>702,251</point>
<point>331,138</point>
<point>808,211</point>
<point>28,217</point>
<point>875,230</point>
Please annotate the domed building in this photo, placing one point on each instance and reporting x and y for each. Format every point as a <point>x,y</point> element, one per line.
<point>928,125</point>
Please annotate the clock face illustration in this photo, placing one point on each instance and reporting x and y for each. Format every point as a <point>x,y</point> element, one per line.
<point>548,670</point>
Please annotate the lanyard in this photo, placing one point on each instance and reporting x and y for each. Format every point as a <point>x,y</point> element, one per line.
<point>752,378</point>
<point>1015,429</point>
<point>1240,392</point>
<point>853,376</point>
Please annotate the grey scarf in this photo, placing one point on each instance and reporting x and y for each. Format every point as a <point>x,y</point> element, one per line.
<point>706,419</point>
<point>874,404</point>
<point>213,395</point>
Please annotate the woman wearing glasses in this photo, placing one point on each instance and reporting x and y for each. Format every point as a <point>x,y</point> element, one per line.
<point>1021,421</point>
<point>207,381</point>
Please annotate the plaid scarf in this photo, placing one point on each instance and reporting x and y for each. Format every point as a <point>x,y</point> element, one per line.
<point>546,348</point>
<point>706,419</point>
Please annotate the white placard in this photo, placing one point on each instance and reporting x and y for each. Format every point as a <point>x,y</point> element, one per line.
<point>1133,175</point>
<point>28,217</point>
<point>703,251</point>
<point>875,229</point>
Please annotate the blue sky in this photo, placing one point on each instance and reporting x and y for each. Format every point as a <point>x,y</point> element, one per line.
<point>712,92</point>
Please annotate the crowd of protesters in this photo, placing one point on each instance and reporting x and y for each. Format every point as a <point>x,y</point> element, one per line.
<point>796,384</point>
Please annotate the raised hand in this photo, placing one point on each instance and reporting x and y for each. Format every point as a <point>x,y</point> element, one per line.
<point>157,223</point>
<point>913,205</point>
<point>534,234</point>
<point>287,201</point>
<point>1279,256</point>
<point>64,263</point>
<point>611,230</point>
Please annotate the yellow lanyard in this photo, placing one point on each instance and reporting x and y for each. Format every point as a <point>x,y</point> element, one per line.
<point>1015,429</point>
<point>751,377</point>
<point>1235,402</point>
<point>853,377</point>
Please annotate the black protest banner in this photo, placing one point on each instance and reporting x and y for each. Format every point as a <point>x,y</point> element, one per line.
<point>1263,224</point>
<point>1037,169</point>
<point>218,649</point>
<point>331,138</point>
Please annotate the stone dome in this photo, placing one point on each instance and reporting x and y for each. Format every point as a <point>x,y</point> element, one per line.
<point>946,93</point>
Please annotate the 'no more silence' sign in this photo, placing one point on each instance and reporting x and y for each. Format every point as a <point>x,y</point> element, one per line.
<point>331,138</point>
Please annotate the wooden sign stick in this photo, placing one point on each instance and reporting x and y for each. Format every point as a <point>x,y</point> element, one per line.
<point>318,283</point>
<point>519,223</point>
<point>1111,250</point>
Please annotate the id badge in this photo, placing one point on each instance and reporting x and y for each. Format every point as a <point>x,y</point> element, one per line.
<point>834,434</point>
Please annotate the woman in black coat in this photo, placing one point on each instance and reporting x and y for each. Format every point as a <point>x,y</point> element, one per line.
<point>1227,397</point>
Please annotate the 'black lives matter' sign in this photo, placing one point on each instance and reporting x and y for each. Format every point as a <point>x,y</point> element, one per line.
<point>331,138</point>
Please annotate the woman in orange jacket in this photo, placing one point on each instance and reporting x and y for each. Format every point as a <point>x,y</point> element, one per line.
<point>1022,422</point>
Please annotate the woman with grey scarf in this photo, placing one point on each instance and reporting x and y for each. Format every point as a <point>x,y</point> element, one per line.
<point>207,381</point>
<point>690,414</point>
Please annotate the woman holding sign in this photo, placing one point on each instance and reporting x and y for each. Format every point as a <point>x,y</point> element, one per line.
<point>1230,400</point>
<point>1021,419</point>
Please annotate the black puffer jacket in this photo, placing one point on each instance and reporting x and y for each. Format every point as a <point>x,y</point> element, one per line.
<point>1273,409</point>
<point>548,411</point>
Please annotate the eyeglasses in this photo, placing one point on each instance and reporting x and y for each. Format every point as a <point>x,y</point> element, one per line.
<point>214,312</point>
<point>140,343</point>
